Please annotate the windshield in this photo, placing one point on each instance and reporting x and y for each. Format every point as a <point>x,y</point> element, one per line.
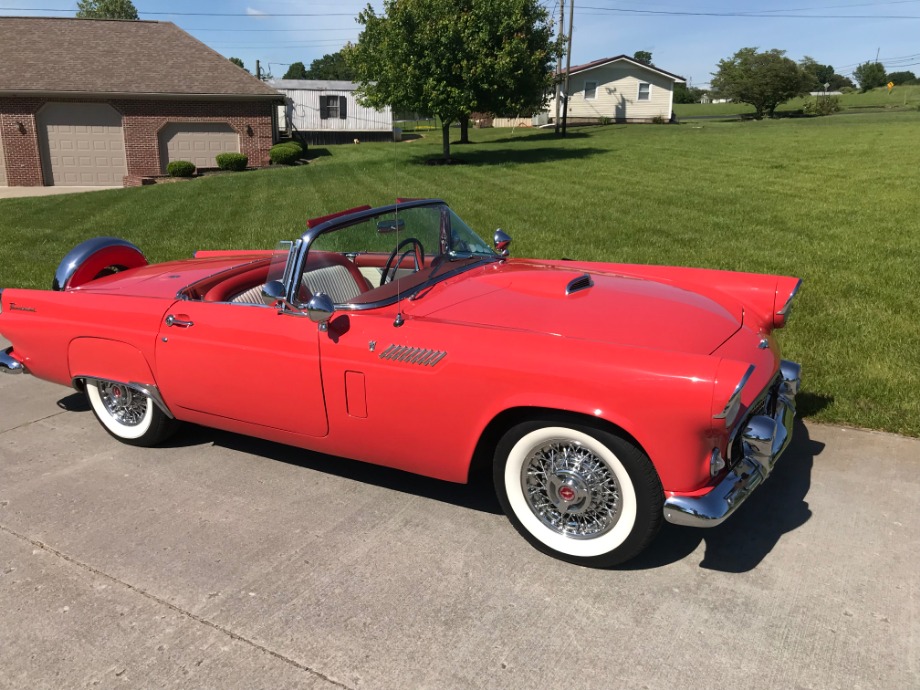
<point>389,255</point>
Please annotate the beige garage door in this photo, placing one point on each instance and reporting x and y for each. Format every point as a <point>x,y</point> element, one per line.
<point>2,166</point>
<point>198,142</point>
<point>82,144</point>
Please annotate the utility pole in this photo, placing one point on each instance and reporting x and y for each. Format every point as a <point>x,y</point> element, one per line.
<point>258,70</point>
<point>559,61</point>
<point>568,66</point>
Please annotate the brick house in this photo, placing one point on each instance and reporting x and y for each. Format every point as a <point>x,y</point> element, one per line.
<point>108,102</point>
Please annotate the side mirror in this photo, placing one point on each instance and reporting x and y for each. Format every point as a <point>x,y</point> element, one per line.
<point>273,294</point>
<point>320,309</point>
<point>502,241</point>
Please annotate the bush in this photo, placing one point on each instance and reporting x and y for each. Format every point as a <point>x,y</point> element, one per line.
<point>180,169</point>
<point>658,120</point>
<point>232,161</point>
<point>822,106</point>
<point>287,153</point>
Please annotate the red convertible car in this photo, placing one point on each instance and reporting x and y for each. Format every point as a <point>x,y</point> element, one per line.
<point>605,397</point>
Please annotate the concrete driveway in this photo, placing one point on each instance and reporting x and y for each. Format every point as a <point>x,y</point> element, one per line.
<point>21,192</point>
<point>225,562</point>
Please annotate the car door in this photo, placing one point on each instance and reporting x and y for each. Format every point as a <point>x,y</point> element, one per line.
<point>243,362</point>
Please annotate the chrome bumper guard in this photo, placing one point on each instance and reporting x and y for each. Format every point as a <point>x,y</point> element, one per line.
<point>763,440</point>
<point>11,365</point>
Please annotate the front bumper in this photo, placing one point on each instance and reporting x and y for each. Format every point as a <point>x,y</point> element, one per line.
<point>764,437</point>
<point>9,364</point>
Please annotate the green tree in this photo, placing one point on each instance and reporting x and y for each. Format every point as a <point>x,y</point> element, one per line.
<point>643,56</point>
<point>838,82</point>
<point>332,66</point>
<point>239,63</point>
<point>451,59</point>
<point>296,71</point>
<point>870,75</point>
<point>685,94</point>
<point>898,78</point>
<point>764,80</point>
<point>816,74</point>
<point>106,9</point>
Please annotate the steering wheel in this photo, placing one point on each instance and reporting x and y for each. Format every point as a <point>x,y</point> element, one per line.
<point>416,250</point>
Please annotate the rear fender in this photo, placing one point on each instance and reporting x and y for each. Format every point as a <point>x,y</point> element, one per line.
<point>108,360</point>
<point>95,258</point>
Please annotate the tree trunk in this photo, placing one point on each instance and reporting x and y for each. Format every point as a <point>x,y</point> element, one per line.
<point>465,129</point>
<point>445,139</point>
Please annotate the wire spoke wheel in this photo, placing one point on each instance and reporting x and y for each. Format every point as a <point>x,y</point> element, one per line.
<point>125,405</point>
<point>576,492</point>
<point>571,490</point>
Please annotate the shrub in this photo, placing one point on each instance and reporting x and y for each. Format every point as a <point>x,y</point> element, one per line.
<point>287,153</point>
<point>180,169</point>
<point>658,120</point>
<point>822,106</point>
<point>232,161</point>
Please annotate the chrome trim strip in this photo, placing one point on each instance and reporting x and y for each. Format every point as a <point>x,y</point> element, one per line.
<point>764,439</point>
<point>11,365</point>
<point>582,282</point>
<point>732,399</point>
<point>788,304</point>
<point>145,389</point>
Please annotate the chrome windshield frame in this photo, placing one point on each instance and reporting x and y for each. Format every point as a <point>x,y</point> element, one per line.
<point>301,250</point>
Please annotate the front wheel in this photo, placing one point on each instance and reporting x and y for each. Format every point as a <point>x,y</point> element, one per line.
<point>578,493</point>
<point>127,414</point>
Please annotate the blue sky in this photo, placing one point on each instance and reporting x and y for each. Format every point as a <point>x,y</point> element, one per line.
<point>689,43</point>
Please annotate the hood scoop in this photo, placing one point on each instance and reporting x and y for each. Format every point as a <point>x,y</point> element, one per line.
<point>582,282</point>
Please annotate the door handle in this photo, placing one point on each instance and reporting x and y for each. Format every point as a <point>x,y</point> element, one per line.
<point>173,321</point>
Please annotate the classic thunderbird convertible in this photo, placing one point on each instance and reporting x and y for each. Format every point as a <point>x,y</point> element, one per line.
<point>606,398</point>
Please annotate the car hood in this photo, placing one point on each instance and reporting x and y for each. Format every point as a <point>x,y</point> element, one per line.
<point>600,306</point>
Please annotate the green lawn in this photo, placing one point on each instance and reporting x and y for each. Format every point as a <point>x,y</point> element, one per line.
<point>900,98</point>
<point>832,200</point>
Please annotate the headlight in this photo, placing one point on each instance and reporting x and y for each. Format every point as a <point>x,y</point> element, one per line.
<point>729,410</point>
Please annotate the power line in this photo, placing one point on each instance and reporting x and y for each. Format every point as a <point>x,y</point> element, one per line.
<point>747,15</point>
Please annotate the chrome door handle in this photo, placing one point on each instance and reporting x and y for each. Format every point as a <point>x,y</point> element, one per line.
<point>173,321</point>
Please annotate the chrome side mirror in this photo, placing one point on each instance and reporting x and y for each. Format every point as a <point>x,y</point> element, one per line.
<point>273,294</point>
<point>320,309</point>
<point>502,241</point>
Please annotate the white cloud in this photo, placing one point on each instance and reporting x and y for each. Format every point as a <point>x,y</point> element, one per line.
<point>254,12</point>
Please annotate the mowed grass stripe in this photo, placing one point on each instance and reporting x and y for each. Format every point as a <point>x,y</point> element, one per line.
<point>832,200</point>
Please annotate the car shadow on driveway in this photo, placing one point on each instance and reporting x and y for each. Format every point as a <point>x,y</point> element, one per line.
<point>736,546</point>
<point>740,543</point>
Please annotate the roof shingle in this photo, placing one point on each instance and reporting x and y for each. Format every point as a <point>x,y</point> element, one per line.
<point>63,55</point>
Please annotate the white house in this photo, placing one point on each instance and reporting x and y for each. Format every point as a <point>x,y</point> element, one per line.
<point>618,89</point>
<point>327,112</point>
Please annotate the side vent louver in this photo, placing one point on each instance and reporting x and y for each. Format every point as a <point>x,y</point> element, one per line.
<point>413,355</point>
<point>582,282</point>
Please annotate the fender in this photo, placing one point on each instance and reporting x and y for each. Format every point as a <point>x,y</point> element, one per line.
<point>95,258</point>
<point>109,360</point>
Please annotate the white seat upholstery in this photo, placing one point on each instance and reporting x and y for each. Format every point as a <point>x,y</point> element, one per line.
<point>335,281</point>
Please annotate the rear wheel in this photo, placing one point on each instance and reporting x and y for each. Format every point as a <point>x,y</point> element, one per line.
<point>127,414</point>
<point>578,493</point>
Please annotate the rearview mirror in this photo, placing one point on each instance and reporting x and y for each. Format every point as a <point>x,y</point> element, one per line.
<point>502,242</point>
<point>385,227</point>
<point>273,294</point>
<point>320,309</point>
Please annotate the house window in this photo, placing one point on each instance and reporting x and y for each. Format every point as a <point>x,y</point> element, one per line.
<point>645,91</point>
<point>590,90</point>
<point>332,107</point>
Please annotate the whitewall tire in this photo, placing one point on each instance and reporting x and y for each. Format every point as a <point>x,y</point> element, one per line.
<point>128,414</point>
<point>578,493</point>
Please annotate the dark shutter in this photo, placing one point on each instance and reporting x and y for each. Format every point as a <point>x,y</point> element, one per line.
<point>343,109</point>
<point>323,108</point>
